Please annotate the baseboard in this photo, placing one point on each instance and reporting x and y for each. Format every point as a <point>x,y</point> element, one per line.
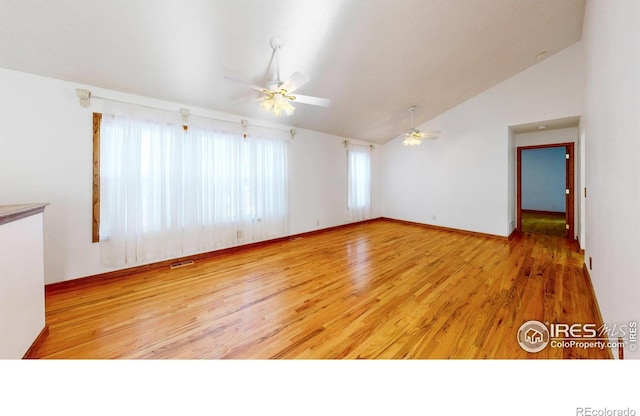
<point>453,230</point>
<point>37,343</point>
<point>580,249</point>
<point>99,278</point>
<point>599,324</point>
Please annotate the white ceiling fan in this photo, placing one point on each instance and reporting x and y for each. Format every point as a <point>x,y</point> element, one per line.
<point>277,95</point>
<point>414,137</point>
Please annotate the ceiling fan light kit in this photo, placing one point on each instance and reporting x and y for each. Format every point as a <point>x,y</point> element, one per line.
<point>411,141</point>
<point>277,103</point>
<point>278,95</point>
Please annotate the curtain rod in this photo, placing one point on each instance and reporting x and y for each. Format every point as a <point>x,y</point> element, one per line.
<point>348,142</point>
<point>85,101</point>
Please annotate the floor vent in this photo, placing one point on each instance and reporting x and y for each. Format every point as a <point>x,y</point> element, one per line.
<point>181,264</point>
<point>295,238</point>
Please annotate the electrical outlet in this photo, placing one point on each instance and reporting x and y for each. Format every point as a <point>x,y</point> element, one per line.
<point>433,217</point>
<point>318,223</point>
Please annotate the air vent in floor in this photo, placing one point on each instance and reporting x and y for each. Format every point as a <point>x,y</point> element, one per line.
<point>181,264</point>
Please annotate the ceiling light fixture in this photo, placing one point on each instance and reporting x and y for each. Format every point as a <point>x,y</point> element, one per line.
<point>277,95</point>
<point>541,55</point>
<point>411,140</point>
<point>277,102</point>
<point>414,137</point>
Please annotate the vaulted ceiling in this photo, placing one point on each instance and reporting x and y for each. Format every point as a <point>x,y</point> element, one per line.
<point>372,58</point>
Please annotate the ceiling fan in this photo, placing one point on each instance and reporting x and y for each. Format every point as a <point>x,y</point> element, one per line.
<point>277,95</point>
<point>414,137</point>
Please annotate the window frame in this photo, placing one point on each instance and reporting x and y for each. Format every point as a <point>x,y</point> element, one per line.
<point>95,232</point>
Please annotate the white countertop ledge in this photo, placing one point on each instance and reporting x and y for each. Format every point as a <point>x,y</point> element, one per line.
<point>11,213</point>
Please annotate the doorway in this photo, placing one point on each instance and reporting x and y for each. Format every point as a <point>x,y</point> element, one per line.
<point>545,187</point>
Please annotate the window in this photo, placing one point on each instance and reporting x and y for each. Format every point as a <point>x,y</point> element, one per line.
<point>167,192</point>
<point>359,182</point>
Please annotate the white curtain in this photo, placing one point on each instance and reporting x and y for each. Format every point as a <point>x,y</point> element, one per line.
<point>359,182</point>
<point>166,193</point>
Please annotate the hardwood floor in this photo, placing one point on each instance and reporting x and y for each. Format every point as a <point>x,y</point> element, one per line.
<point>378,290</point>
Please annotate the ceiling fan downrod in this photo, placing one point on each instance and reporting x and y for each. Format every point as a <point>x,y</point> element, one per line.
<point>276,44</point>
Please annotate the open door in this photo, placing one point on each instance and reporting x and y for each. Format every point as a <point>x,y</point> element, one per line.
<point>569,192</point>
<point>569,188</point>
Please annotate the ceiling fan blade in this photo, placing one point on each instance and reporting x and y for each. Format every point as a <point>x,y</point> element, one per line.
<point>306,99</point>
<point>257,100</point>
<point>422,134</point>
<point>248,84</point>
<point>294,82</point>
<point>431,135</point>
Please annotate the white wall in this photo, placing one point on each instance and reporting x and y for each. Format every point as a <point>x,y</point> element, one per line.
<point>465,178</point>
<point>319,181</point>
<point>46,156</point>
<point>611,126</point>
<point>566,135</point>
<point>544,137</point>
<point>21,285</point>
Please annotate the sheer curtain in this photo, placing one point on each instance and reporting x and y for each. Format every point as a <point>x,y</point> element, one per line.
<point>238,188</point>
<point>359,182</point>
<point>166,193</point>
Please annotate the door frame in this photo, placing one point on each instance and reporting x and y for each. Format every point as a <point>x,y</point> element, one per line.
<point>569,184</point>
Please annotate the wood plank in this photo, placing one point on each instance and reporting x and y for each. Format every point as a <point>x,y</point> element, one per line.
<point>379,290</point>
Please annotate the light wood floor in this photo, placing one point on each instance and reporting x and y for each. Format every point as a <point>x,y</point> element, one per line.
<point>378,290</point>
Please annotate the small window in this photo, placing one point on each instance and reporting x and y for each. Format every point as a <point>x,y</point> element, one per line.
<point>359,182</point>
